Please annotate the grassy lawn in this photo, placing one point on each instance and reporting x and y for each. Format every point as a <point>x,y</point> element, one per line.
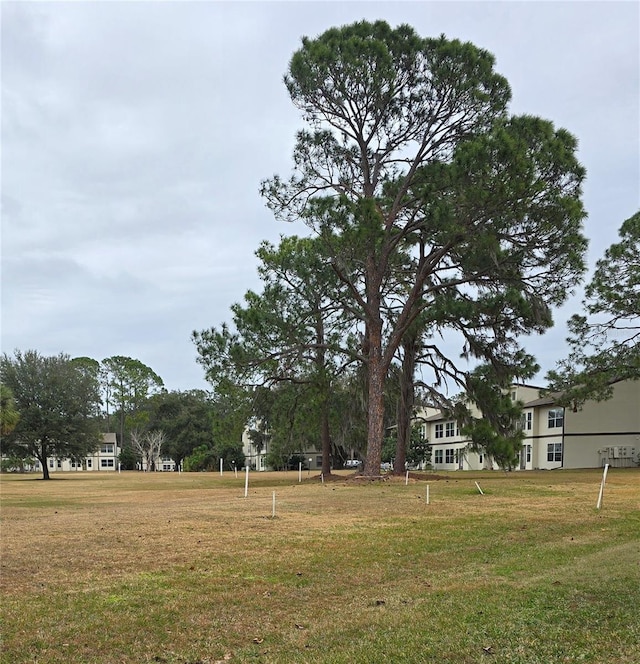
<point>182,569</point>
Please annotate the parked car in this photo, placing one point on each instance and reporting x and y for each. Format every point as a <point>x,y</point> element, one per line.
<point>352,463</point>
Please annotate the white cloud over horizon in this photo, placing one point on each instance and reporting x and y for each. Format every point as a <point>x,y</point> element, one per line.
<point>135,137</point>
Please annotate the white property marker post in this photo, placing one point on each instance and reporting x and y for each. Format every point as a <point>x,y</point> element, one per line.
<point>246,481</point>
<point>220,467</point>
<point>406,479</point>
<point>479,489</point>
<point>427,494</point>
<point>604,479</point>
<point>299,472</point>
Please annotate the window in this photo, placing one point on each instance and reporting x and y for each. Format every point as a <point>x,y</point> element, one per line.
<point>106,449</point>
<point>449,456</point>
<point>166,467</point>
<point>528,453</point>
<point>423,432</point>
<point>50,463</point>
<point>89,463</point>
<point>59,463</point>
<point>526,421</point>
<point>439,430</point>
<point>481,459</point>
<point>556,418</point>
<point>106,463</point>
<point>319,461</point>
<point>438,456</point>
<point>449,430</point>
<point>554,452</point>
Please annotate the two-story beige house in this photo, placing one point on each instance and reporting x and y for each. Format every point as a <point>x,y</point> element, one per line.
<point>554,437</point>
<point>605,431</point>
<point>105,458</point>
<point>256,454</point>
<point>450,449</point>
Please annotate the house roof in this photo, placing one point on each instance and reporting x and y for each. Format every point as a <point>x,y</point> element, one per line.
<point>543,401</point>
<point>435,418</point>
<point>547,400</point>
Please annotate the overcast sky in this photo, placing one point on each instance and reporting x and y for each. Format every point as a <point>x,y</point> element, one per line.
<point>135,137</point>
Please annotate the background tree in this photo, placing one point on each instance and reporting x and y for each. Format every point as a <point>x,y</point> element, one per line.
<point>185,418</point>
<point>419,451</point>
<point>349,414</point>
<point>58,405</point>
<point>129,383</point>
<point>93,369</point>
<point>229,452</point>
<point>442,202</point>
<point>202,458</point>
<point>230,412</point>
<point>9,416</point>
<point>497,433</point>
<point>294,331</point>
<point>605,344</point>
<point>128,457</point>
<point>409,349</point>
<point>148,446</point>
<point>289,415</point>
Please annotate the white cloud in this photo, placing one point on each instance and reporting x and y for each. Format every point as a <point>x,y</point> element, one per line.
<point>135,136</point>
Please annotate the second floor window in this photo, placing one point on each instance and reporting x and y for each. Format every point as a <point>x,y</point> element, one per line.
<point>106,449</point>
<point>556,418</point>
<point>439,430</point>
<point>526,421</point>
<point>450,428</point>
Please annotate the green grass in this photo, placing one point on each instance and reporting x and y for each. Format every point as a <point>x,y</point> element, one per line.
<point>183,569</point>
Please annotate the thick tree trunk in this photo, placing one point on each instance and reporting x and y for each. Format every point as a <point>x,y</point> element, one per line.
<point>375,407</point>
<point>122,427</point>
<point>42,454</point>
<point>326,438</point>
<point>402,442</point>
<point>405,403</point>
<point>45,468</point>
<point>325,435</point>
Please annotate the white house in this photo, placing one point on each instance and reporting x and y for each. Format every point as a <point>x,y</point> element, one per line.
<point>450,449</point>
<point>105,458</point>
<point>554,437</point>
<point>255,454</point>
<point>604,431</point>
